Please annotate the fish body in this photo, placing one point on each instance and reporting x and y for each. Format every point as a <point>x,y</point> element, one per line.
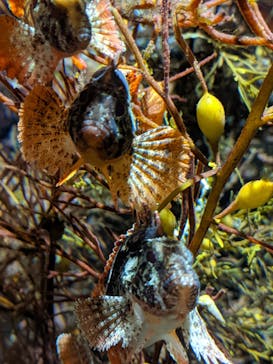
<point>98,124</point>
<point>98,127</point>
<point>31,47</point>
<point>150,291</point>
<point>100,120</point>
<point>63,23</point>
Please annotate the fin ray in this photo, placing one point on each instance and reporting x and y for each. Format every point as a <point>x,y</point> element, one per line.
<point>24,56</point>
<point>107,320</point>
<point>43,133</point>
<point>201,342</point>
<point>159,163</point>
<point>105,36</point>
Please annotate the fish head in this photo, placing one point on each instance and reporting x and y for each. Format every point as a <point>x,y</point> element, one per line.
<point>100,120</point>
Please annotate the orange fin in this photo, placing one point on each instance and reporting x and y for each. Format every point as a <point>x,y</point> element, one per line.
<point>105,35</point>
<point>159,163</point>
<point>134,79</point>
<point>153,105</point>
<point>71,173</point>
<point>17,7</point>
<point>46,142</point>
<point>24,56</point>
<point>79,63</point>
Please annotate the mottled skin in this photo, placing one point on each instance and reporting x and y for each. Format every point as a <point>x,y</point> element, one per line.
<point>100,120</point>
<point>150,291</point>
<point>63,23</point>
<point>156,272</point>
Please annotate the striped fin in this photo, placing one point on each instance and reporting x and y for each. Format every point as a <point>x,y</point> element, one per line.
<point>107,320</point>
<point>153,105</point>
<point>175,348</point>
<point>159,163</point>
<point>105,36</point>
<point>43,133</point>
<point>24,56</point>
<point>203,345</point>
<point>17,7</point>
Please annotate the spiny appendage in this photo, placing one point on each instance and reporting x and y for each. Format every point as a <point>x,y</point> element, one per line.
<point>23,55</point>
<point>63,24</point>
<point>158,164</point>
<point>72,349</point>
<point>107,320</point>
<point>105,36</point>
<point>203,345</point>
<point>45,141</point>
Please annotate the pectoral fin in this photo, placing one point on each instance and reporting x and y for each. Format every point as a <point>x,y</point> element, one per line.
<point>105,36</point>
<point>24,56</point>
<point>203,345</point>
<point>108,320</point>
<point>159,163</point>
<point>45,140</point>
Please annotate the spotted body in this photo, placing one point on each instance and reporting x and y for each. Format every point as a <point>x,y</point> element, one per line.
<point>150,291</point>
<point>155,271</point>
<point>63,23</point>
<point>98,124</point>
<point>58,135</point>
<point>100,120</point>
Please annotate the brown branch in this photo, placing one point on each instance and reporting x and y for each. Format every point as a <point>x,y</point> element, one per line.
<point>165,46</point>
<point>155,85</point>
<point>188,53</point>
<point>84,266</point>
<point>235,39</point>
<point>8,102</point>
<point>231,230</point>
<point>191,69</point>
<point>253,17</point>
